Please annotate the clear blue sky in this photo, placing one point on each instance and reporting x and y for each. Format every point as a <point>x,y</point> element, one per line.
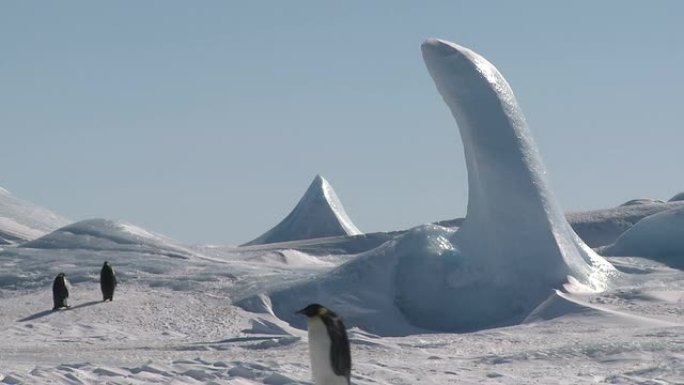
<point>206,121</point>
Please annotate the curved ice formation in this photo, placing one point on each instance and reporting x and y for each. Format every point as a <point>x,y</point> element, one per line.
<point>319,213</point>
<point>513,250</point>
<point>513,225</point>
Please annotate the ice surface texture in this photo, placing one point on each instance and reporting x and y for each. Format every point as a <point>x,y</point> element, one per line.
<point>514,248</point>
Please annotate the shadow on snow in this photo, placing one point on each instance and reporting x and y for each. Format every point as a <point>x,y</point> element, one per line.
<point>48,312</point>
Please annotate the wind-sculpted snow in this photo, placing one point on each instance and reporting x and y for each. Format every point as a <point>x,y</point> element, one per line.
<point>603,227</point>
<point>642,201</point>
<point>158,336</point>
<point>659,236</point>
<point>21,221</point>
<point>319,213</point>
<point>105,234</point>
<point>677,198</point>
<point>80,249</point>
<point>513,249</point>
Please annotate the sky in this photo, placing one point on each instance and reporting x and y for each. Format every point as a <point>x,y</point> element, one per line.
<point>207,121</point>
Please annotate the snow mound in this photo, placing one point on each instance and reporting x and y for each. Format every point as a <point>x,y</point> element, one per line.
<point>420,282</point>
<point>110,235</point>
<point>603,227</point>
<point>513,249</point>
<point>658,236</point>
<point>677,197</point>
<point>21,220</point>
<point>318,214</point>
<point>363,290</point>
<point>136,254</point>
<point>288,257</point>
<point>642,201</point>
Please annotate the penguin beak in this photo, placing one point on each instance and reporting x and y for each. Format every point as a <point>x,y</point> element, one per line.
<point>300,311</point>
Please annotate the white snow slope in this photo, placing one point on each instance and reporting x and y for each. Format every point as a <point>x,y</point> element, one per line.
<point>677,197</point>
<point>603,227</point>
<point>318,214</point>
<point>101,233</point>
<point>21,221</point>
<point>659,236</point>
<point>174,319</point>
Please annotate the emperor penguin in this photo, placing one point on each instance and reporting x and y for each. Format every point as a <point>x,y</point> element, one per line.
<point>328,346</point>
<point>60,291</point>
<point>107,282</point>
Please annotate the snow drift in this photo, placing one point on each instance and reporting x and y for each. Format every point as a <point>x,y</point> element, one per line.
<point>79,249</point>
<point>318,214</point>
<point>677,198</point>
<point>513,249</point>
<point>21,220</point>
<point>659,236</point>
<point>642,201</point>
<point>110,235</point>
<point>603,227</point>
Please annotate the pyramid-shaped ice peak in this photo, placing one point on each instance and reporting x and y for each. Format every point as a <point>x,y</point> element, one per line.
<point>318,214</point>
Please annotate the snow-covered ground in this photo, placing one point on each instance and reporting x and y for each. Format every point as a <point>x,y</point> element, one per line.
<point>511,295</point>
<point>173,321</point>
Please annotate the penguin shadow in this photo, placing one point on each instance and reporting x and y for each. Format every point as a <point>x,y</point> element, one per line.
<point>37,315</point>
<point>86,304</point>
<point>45,313</point>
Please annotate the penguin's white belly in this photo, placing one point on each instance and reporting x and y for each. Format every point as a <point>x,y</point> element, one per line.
<point>319,350</point>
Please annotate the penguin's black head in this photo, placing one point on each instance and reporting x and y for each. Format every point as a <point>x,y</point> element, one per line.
<point>314,310</point>
<point>106,263</point>
<point>61,275</point>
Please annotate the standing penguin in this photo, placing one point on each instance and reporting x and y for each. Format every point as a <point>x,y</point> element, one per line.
<point>60,292</point>
<point>328,346</point>
<point>107,282</point>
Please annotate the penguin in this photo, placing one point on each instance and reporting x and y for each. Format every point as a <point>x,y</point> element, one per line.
<point>107,282</point>
<point>60,292</point>
<point>328,346</point>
